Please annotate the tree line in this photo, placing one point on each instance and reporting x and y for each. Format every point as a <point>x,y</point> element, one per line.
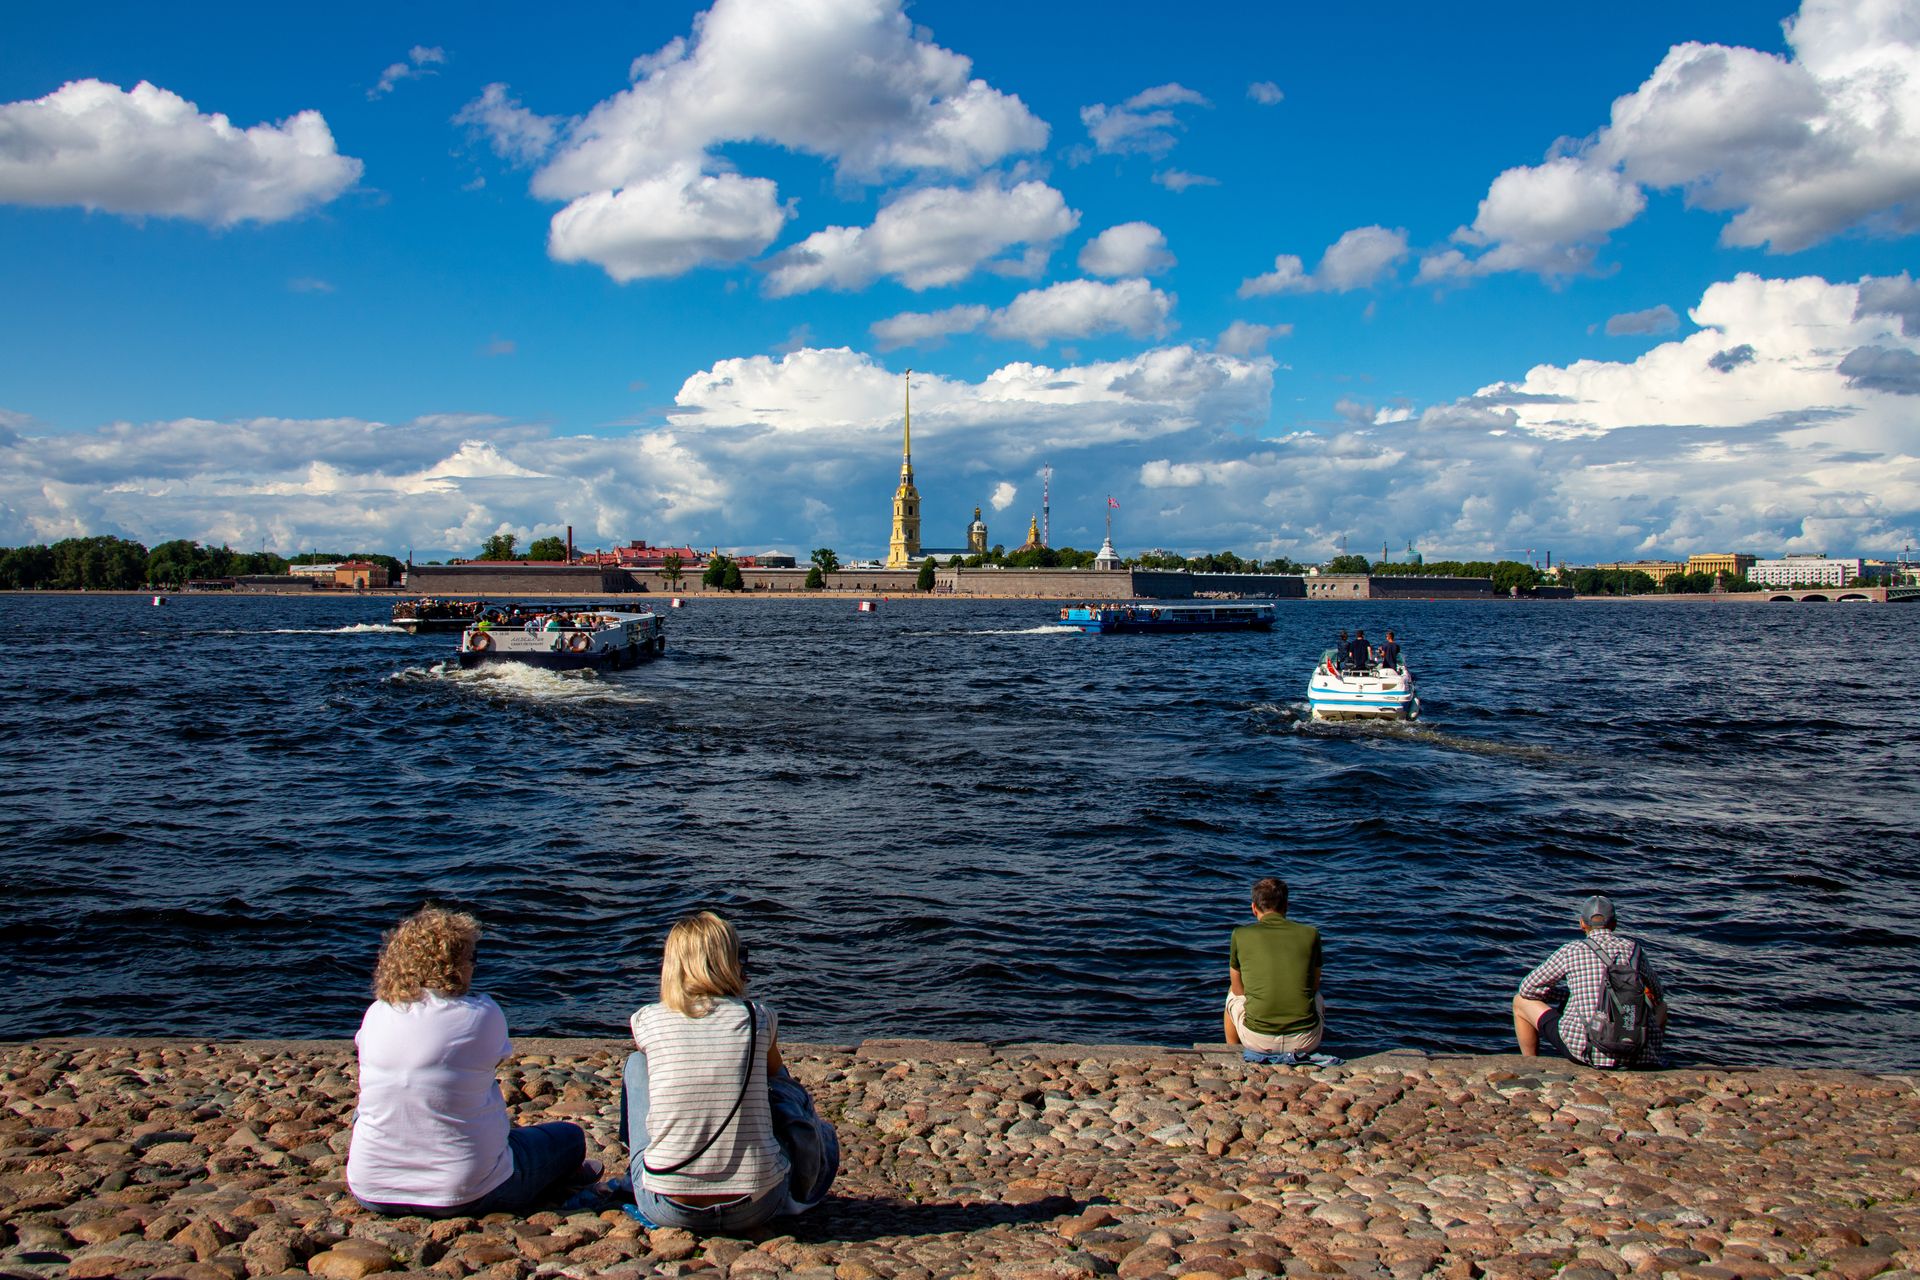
<point>105,563</point>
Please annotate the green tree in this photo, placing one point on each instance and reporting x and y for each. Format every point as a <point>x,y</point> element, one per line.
<point>731,579</point>
<point>825,559</point>
<point>26,568</point>
<point>671,568</point>
<point>499,547</point>
<point>1348,564</point>
<point>924,582</point>
<point>715,574</point>
<point>1509,574</point>
<point>176,562</point>
<point>816,580</point>
<point>547,548</point>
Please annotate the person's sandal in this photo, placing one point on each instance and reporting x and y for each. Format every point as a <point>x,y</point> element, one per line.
<point>588,1173</point>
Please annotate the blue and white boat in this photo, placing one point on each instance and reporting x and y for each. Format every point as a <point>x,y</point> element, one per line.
<point>1376,693</point>
<point>1137,617</point>
<point>568,640</point>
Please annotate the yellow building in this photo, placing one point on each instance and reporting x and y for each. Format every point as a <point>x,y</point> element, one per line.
<point>1658,570</point>
<point>1732,563</point>
<point>904,546</point>
<point>1033,542</point>
<point>977,534</point>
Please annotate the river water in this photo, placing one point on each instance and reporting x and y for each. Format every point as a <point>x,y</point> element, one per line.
<point>953,819</point>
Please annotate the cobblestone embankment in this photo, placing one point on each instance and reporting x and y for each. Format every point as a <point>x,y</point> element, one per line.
<point>217,1161</point>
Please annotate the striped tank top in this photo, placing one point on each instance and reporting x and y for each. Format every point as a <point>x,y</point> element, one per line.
<point>693,1076</point>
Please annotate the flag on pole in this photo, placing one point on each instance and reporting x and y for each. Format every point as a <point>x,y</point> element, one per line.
<point>1112,503</point>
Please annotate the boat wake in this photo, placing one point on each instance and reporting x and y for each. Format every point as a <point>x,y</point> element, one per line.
<point>1046,629</point>
<point>517,682</point>
<point>351,629</point>
<point>1298,718</point>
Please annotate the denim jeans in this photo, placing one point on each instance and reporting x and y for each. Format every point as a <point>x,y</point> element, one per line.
<point>545,1159</point>
<point>729,1217</point>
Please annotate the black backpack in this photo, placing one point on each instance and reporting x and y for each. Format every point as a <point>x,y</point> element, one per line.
<point>1620,1026</point>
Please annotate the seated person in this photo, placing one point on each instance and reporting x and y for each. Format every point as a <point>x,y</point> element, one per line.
<point>1342,651</point>
<point>431,1134</point>
<point>1390,652</point>
<point>1556,1000</point>
<point>1273,979</point>
<point>1361,657</point>
<point>694,1109</point>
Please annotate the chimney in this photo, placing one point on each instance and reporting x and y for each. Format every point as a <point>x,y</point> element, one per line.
<point>569,544</point>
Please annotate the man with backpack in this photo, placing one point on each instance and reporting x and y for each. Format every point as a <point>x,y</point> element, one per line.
<point>1596,999</point>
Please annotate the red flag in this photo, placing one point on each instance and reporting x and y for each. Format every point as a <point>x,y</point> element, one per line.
<point>1113,504</point>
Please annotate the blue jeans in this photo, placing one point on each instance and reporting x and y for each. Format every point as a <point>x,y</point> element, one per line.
<point>729,1217</point>
<point>545,1159</point>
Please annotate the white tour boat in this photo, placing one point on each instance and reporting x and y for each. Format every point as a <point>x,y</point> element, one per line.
<point>1378,693</point>
<point>567,640</point>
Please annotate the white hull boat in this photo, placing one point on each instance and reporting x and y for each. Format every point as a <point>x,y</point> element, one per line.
<point>1379,693</point>
<point>569,641</point>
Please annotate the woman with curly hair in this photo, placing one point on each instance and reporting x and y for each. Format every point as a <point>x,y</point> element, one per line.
<point>431,1135</point>
<point>694,1110</point>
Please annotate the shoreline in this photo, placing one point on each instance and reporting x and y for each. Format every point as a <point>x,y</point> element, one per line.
<point>911,597</point>
<point>215,1160</point>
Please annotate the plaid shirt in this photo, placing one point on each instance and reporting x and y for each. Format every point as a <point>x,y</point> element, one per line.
<point>1578,967</point>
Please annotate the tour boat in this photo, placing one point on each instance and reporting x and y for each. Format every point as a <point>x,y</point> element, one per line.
<point>1168,617</point>
<point>568,640</point>
<point>425,615</point>
<point>1377,693</point>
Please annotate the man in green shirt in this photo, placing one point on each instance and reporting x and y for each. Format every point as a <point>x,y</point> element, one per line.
<point>1273,978</point>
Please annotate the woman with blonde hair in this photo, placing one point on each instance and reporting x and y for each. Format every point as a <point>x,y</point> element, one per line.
<point>431,1134</point>
<point>694,1110</point>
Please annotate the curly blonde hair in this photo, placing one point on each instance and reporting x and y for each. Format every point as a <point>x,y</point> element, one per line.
<point>701,962</point>
<point>431,950</point>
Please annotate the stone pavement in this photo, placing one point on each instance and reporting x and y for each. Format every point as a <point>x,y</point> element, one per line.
<point>218,1161</point>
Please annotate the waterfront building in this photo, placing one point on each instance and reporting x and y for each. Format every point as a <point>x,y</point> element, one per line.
<point>977,535</point>
<point>1658,570</point>
<point>1805,571</point>
<point>360,575</point>
<point>1734,564</point>
<point>903,547</point>
<point>1033,542</point>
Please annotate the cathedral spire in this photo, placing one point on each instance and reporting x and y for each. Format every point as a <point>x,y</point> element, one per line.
<point>906,443</point>
<point>903,548</point>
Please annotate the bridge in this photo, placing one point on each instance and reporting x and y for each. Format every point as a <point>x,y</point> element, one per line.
<point>1849,595</point>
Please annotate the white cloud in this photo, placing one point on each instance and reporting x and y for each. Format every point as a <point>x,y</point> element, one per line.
<point>1357,260</point>
<point>1084,309</point>
<point>1003,496</point>
<point>1265,92</point>
<point>1179,180</point>
<point>1897,296</point>
<point>420,60</point>
<point>517,135</point>
<point>1798,149</point>
<point>1242,338</point>
<point>931,237</point>
<point>1660,319</point>
<point>668,225</point>
<point>926,328</point>
<point>1129,249</point>
<point>1144,124</point>
<point>146,151</point>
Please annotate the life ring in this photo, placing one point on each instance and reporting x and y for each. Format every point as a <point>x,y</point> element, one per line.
<point>579,642</point>
<point>479,642</point>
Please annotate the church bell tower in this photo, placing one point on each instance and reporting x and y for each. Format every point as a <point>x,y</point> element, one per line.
<point>904,545</point>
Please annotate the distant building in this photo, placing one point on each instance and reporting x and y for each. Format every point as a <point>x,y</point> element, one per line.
<point>903,547</point>
<point>773,560</point>
<point>638,555</point>
<point>318,572</point>
<point>977,535</point>
<point>1106,557</point>
<point>360,575</point>
<point>1805,571</point>
<point>1658,570</point>
<point>1033,542</point>
<point>1734,564</point>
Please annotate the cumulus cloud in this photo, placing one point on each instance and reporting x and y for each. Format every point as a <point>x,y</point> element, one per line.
<point>516,134</point>
<point>147,152</point>
<point>1129,249</point>
<point>1003,495</point>
<point>1242,338</point>
<point>926,328</point>
<point>1084,309</point>
<point>930,237</point>
<point>1732,358</point>
<point>1265,92</point>
<point>668,225</point>
<point>1660,319</point>
<point>420,62</point>
<point>1179,180</point>
<point>1797,149</point>
<point>1357,260</point>
<point>1891,296</point>
<point>1144,124</point>
<point>1893,369</point>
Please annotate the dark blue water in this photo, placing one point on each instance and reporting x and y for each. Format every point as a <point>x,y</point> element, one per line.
<point>953,820</point>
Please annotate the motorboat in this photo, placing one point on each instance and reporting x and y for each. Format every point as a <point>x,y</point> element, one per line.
<point>1335,692</point>
<point>568,640</point>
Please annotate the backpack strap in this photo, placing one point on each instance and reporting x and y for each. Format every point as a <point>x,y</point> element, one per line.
<point>746,1080</point>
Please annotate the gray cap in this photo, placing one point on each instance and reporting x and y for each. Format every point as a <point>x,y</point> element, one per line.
<point>1597,910</point>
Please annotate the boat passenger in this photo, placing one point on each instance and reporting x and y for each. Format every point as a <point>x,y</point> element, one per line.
<point>1390,652</point>
<point>1557,1001</point>
<point>431,1133</point>
<point>693,1108</point>
<point>1342,649</point>
<point>1274,1003</point>
<point>1361,657</point>
<point>553,622</point>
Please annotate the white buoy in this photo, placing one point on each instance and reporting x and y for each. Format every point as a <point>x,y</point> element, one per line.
<point>677,603</point>
<point>159,599</point>
<point>868,606</point>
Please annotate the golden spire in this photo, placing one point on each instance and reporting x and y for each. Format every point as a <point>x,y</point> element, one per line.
<point>906,445</point>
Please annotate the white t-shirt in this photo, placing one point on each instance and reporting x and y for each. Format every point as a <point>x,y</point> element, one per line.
<point>693,1076</point>
<point>431,1126</point>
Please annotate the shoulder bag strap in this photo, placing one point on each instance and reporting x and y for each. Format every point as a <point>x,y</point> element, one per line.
<point>746,1080</point>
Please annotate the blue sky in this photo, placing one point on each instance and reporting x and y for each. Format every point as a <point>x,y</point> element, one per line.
<point>1607,283</point>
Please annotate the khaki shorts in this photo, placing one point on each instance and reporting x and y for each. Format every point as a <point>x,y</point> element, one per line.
<point>1299,1042</point>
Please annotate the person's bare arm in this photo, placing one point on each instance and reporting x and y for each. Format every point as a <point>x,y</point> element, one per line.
<point>774,1063</point>
<point>1234,984</point>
